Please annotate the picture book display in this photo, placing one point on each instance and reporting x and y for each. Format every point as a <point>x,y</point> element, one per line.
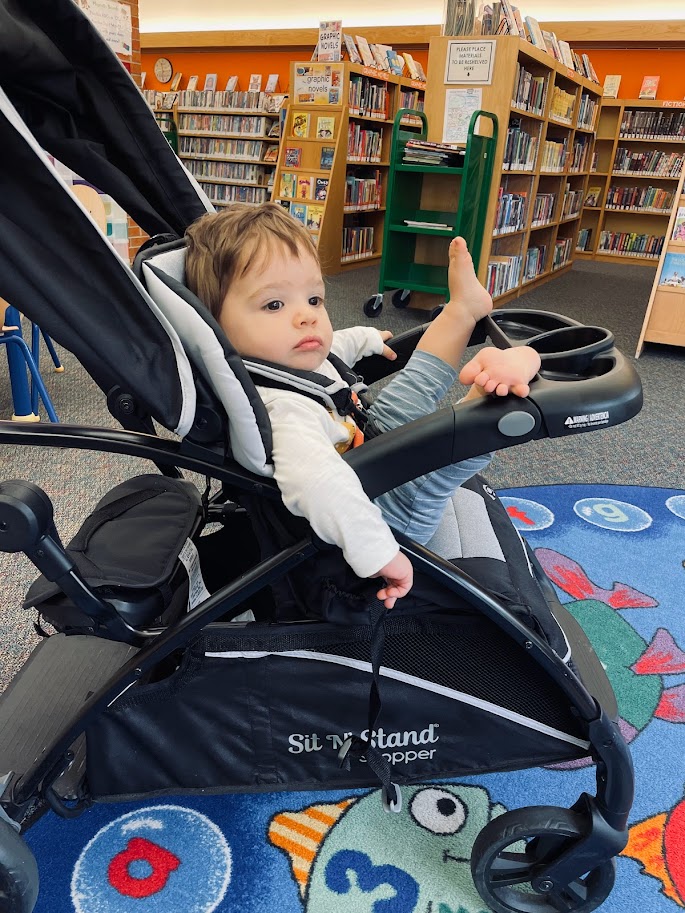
<point>678,233</point>
<point>673,271</point>
<point>649,86</point>
<point>325,127</point>
<point>610,88</point>
<point>301,124</point>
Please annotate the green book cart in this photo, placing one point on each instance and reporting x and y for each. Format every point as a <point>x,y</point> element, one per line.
<point>422,193</point>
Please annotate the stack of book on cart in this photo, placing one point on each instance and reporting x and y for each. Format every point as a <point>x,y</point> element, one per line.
<point>421,152</point>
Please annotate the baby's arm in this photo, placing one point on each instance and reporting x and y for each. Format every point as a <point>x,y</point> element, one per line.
<point>501,371</point>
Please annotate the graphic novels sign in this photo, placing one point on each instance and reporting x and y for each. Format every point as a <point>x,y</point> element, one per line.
<point>318,84</point>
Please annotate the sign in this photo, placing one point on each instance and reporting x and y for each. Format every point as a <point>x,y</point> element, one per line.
<point>318,84</point>
<point>459,106</point>
<point>113,21</point>
<point>329,47</point>
<point>470,61</point>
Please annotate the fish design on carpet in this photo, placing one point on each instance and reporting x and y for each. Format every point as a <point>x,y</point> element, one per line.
<point>353,855</point>
<point>634,667</point>
<point>658,843</point>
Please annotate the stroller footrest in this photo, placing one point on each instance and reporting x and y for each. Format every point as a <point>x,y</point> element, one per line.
<point>61,673</point>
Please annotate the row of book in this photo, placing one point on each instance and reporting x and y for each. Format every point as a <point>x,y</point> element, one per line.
<point>368,98</point>
<point>357,243</point>
<point>411,98</point>
<point>534,262</point>
<point>640,198</point>
<point>249,101</point>
<point>224,123</point>
<point>529,91</point>
<point>572,202</point>
<point>653,124</point>
<point>224,194</point>
<point>309,214</point>
<point>303,123</point>
<point>363,192</point>
<point>422,152</point>
<point>303,187</point>
<point>380,57</point>
<point>520,148</point>
<point>668,164</point>
<point>562,105</point>
<point>510,215</point>
<point>363,144</point>
<point>241,149</point>
<point>584,242</point>
<point>553,155</point>
<point>503,274</point>
<point>587,110</point>
<point>630,243</point>
<point>543,209</point>
<point>581,154</point>
<point>561,254</point>
<point>227,171</point>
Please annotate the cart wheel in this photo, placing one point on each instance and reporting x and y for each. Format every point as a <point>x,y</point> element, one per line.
<point>401,297</point>
<point>18,872</point>
<point>514,847</point>
<point>373,305</point>
<point>438,310</point>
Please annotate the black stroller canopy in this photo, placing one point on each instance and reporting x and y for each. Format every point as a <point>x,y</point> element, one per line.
<point>63,90</point>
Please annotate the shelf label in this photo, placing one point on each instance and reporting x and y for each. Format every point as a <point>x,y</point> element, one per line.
<point>470,62</point>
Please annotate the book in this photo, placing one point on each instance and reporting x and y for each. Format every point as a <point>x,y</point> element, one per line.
<point>379,57</point>
<point>649,86</point>
<point>210,83</point>
<point>271,83</point>
<point>325,127</point>
<point>255,84</point>
<point>301,124</point>
<point>395,62</point>
<point>420,70</point>
<point>673,271</point>
<point>232,84</point>
<point>287,186</point>
<point>411,66</point>
<point>678,233</point>
<point>292,156</point>
<point>610,87</point>
<point>352,52</point>
<point>326,159</point>
<point>365,51</point>
<point>176,81</point>
<point>304,188</point>
<point>329,45</point>
<point>192,83</point>
<point>314,216</point>
<point>274,129</point>
<point>299,211</point>
<point>143,77</point>
<point>321,189</point>
<point>592,196</point>
<point>415,224</point>
<point>271,154</point>
<point>273,105</point>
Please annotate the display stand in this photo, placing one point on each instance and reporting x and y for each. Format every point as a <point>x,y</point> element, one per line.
<point>665,316</point>
<point>334,157</point>
<point>547,115</point>
<point>639,156</point>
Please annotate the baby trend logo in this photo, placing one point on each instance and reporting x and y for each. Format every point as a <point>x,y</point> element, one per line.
<point>158,858</point>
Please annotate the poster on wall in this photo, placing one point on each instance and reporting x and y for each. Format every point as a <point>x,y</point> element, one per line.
<point>459,106</point>
<point>113,21</point>
<point>318,84</point>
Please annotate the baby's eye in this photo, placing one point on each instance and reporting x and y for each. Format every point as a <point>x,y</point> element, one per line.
<point>316,300</point>
<point>273,306</point>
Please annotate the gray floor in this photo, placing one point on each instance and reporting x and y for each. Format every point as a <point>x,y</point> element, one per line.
<point>649,450</point>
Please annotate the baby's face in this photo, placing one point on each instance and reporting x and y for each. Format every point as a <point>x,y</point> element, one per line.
<point>275,311</point>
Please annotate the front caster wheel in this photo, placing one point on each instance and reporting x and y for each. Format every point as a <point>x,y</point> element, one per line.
<point>373,305</point>
<point>401,297</point>
<point>18,872</point>
<point>437,311</point>
<point>513,850</point>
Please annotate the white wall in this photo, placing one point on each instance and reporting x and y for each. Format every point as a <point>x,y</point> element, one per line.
<point>183,15</point>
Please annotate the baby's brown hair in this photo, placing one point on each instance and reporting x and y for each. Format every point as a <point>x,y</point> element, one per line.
<point>222,245</point>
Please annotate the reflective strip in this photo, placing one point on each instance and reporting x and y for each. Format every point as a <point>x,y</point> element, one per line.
<point>450,693</point>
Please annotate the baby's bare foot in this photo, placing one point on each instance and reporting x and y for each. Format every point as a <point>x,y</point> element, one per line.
<point>465,289</point>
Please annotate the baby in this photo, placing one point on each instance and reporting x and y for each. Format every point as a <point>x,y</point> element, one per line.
<point>258,272</point>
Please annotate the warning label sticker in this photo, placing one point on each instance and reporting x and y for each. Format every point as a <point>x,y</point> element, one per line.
<point>587,421</point>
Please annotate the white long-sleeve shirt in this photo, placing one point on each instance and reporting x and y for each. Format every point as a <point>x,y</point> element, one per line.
<point>314,481</point>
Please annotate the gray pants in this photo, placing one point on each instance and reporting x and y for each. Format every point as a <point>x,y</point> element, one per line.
<point>416,507</point>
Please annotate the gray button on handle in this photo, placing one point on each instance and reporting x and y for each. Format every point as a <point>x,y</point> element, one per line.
<point>516,424</point>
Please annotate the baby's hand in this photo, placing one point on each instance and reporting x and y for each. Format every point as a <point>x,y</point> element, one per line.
<point>502,371</point>
<point>387,352</point>
<point>399,577</point>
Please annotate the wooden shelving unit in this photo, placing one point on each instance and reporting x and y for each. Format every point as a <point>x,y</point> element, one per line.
<point>636,163</point>
<point>665,316</point>
<point>348,214</point>
<point>547,115</point>
<point>224,140</point>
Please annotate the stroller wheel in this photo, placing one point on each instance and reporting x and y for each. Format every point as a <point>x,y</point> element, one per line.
<point>512,850</point>
<point>18,872</point>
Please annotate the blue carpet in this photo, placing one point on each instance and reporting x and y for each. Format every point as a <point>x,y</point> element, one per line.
<point>616,555</point>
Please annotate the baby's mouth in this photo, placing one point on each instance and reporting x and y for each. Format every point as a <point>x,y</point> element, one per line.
<point>308,344</point>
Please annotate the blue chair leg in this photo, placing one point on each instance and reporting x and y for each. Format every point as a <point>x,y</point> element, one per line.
<point>59,367</point>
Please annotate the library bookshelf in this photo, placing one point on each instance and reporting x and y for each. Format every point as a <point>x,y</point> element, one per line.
<point>639,156</point>
<point>547,114</point>
<point>332,170</point>
<point>229,141</point>
<point>664,320</point>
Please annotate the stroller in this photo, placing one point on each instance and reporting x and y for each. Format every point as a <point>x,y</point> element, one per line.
<point>251,657</point>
